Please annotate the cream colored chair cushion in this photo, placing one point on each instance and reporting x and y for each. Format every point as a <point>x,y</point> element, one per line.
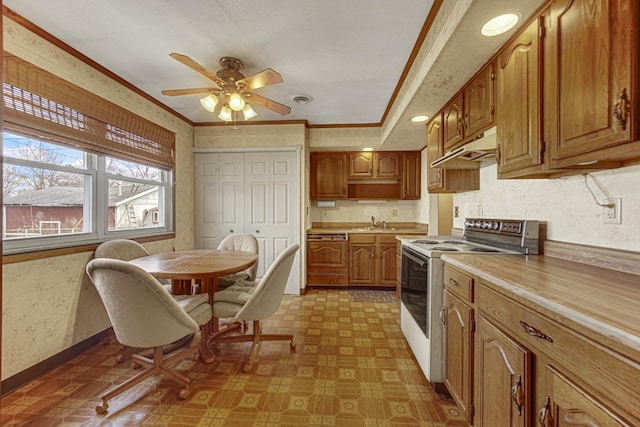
<point>239,242</point>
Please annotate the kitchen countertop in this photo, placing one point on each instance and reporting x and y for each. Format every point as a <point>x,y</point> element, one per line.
<point>600,303</point>
<point>349,228</point>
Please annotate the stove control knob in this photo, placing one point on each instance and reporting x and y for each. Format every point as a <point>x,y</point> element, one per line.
<point>468,224</point>
<point>495,225</point>
<point>478,224</point>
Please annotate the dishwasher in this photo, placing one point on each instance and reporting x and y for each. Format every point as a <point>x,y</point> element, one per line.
<point>327,259</point>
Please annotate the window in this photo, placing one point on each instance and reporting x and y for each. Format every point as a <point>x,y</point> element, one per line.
<point>77,168</point>
<point>50,193</point>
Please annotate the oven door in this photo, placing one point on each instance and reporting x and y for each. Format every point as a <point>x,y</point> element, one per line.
<point>414,286</point>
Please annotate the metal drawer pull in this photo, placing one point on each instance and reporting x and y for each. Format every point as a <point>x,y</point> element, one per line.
<point>533,331</point>
<point>544,416</point>
<point>454,283</point>
<point>516,394</point>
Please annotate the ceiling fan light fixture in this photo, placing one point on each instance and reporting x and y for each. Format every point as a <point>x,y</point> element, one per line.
<point>209,102</point>
<point>236,103</point>
<point>249,113</point>
<point>225,114</point>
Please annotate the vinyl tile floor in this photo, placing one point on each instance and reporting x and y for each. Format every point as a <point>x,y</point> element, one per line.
<point>351,367</point>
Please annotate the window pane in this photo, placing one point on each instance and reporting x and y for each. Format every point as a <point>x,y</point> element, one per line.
<point>19,147</point>
<point>42,202</point>
<point>133,205</point>
<point>132,170</point>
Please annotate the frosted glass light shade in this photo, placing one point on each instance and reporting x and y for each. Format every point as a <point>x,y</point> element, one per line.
<point>499,25</point>
<point>225,114</point>
<point>209,102</point>
<point>236,103</point>
<point>249,113</point>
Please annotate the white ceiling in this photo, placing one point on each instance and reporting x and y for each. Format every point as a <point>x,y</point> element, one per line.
<point>348,56</point>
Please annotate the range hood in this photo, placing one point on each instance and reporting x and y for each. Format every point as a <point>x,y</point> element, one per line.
<point>467,156</point>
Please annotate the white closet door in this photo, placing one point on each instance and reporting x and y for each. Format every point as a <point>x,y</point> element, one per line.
<point>272,207</point>
<point>219,200</point>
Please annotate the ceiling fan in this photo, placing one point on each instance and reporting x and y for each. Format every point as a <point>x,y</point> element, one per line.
<point>233,90</point>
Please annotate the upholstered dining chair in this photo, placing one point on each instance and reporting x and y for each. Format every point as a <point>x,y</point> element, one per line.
<point>239,242</point>
<point>246,301</point>
<point>143,314</point>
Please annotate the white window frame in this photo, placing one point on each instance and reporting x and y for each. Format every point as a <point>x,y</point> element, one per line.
<point>95,207</point>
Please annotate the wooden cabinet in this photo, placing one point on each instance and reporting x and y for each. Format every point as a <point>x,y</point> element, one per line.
<point>591,81</point>
<point>327,263</point>
<point>375,164</point>
<point>446,180</point>
<point>411,177</point>
<point>470,111</point>
<point>328,178</point>
<point>520,151</point>
<point>384,175</point>
<point>372,260</point>
<point>504,379</point>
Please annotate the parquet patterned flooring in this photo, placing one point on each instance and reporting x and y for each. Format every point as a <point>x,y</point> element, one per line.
<point>352,367</point>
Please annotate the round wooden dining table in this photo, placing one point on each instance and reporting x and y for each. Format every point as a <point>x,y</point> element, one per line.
<point>195,268</point>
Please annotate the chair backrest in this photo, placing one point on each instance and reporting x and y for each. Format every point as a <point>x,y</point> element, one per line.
<point>122,249</point>
<point>242,242</point>
<point>142,312</point>
<point>267,296</point>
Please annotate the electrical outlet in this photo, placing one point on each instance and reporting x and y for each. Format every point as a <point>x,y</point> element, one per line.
<point>612,214</point>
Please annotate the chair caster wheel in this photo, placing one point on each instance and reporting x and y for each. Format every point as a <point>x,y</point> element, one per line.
<point>246,368</point>
<point>184,393</point>
<point>292,345</point>
<point>101,409</point>
<point>120,358</point>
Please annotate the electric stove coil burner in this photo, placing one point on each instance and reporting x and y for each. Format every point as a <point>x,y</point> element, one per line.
<point>426,242</point>
<point>445,249</point>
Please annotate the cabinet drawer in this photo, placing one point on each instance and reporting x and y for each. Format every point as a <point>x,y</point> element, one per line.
<point>458,283</point>
<point>363,239</point>
<point>387,238</point>
<point>611,377</point>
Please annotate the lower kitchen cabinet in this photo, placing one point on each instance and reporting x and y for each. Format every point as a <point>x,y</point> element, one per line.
<point>372,260</point>
<point>521,368</point>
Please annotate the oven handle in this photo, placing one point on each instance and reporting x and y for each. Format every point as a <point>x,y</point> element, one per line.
<point>414,259</point>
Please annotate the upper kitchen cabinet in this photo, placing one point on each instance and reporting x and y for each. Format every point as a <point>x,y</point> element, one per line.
<point>370,164</point>
<point>380,175</point>
<point>470,111</point>
<point>591,82</point>
<point>520,151</point>
<point>328,176</point>
<point>445,180</point>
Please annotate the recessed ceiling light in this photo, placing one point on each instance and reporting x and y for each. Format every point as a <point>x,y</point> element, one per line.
<point>367,149</point>
<point>419,119</point>
<point>499,24</point>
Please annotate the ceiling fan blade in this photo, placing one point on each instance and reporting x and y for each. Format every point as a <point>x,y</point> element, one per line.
<point>194,91</point>
<point>263,78</point>
<point>197,67</point>
<point>267,103</point>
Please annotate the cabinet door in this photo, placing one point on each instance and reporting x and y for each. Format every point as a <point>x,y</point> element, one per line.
<point>435,148</point>
<point>591,54</point>
<point>327,256</point>
<point>361,264</point>
<point>569,405</point>
<point>518,103</point>
<point>386,264</point>
<point>411,175</point>
<point>503,395</point>
<point>453,123</point>
<point>459,352</point>
<point>478,102</point>
<point>361,165</point>
<point>387,164</point>
<point>328,176</point>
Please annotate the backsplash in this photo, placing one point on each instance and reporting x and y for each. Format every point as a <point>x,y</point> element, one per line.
<point>565,204</point>
<point>352,211</point>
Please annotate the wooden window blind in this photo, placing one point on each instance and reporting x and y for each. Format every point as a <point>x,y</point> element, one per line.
<point>41,104</point>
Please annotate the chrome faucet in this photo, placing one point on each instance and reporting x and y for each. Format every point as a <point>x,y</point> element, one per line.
<point>373,222</point>
<point>384,225</point>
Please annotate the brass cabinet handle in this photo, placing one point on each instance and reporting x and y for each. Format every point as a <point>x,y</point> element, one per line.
<point>443,322</point>
<point>544,415</point>
<point>535,332</point>
<point>621,109</point>
<point>454,283</point>
<point>516,394</point>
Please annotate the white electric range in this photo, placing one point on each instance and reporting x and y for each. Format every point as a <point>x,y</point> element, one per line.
<point>422,275</point>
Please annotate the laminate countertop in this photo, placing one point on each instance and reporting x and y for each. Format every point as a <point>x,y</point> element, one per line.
<point>599,303</point>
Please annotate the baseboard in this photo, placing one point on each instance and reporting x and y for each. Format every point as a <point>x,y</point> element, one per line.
<point>21,378</point>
